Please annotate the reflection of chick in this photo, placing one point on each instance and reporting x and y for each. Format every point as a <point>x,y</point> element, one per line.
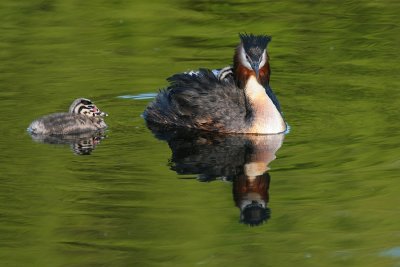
<point>81,144</point>
<point>83,116</point>
<point>86,146</point>
<point>251,197</point>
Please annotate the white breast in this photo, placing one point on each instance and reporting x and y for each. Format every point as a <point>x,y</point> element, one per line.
<point>267,118</point>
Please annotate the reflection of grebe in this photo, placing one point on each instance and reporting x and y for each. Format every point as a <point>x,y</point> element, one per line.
<point>83,116</point>
<point>235,100</point>
<point>251,197</point>
<point>86,146</point>
<point>240,159</point>
<point>81,144</point>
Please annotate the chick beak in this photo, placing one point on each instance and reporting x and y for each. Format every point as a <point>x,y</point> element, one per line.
<point>102,113</point>
<point>98,112</point>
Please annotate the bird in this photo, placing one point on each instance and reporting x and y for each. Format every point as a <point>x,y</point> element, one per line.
<point>235,99</point>
<point>83,117</point>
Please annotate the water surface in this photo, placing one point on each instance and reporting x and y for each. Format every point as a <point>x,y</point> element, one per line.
<point>331,195</point>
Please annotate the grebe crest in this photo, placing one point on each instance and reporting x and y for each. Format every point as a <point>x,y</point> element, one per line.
<point>231,100</point>
<point>83,116</point>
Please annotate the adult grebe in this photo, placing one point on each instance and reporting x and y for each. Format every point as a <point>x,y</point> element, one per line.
<point>233,100</point>
<point>83,117</point>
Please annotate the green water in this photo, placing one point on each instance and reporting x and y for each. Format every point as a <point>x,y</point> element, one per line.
<point>334,193</point>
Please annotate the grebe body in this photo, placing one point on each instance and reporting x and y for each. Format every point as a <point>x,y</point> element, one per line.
<point>233,100</point>
<point>83,116</point>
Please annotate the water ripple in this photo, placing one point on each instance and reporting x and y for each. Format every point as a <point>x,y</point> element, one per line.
<point>391,253</point>
<point>139,96</point>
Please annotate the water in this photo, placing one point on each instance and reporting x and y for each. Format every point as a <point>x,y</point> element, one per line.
<point>332,191</point>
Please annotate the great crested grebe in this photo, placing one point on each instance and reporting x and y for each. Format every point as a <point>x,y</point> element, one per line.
<point>83,116</point>
<point>233,100</point>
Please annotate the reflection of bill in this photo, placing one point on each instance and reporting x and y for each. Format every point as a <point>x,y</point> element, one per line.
<point>251,196</point>
<point>81,144</point>
<point>240,159</point>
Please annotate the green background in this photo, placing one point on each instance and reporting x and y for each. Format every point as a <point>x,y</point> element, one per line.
<point>334,193</point>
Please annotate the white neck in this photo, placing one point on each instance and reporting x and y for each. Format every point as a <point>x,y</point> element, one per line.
<point>267,119</point>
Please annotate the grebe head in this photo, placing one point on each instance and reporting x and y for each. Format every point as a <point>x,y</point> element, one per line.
<point>252,51</point>
<point>86,107</point>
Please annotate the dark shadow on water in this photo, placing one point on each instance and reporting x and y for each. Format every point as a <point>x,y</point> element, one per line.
<point>81,144</point>
<point>240,159</point>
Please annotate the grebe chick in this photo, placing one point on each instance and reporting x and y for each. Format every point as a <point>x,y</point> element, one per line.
<point>83,116</point>
<point>236,100</point>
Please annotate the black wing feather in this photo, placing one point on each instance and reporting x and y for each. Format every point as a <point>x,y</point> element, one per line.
<point>199,101</point>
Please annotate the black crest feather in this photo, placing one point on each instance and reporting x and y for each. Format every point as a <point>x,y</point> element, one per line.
<point>250,41</point>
